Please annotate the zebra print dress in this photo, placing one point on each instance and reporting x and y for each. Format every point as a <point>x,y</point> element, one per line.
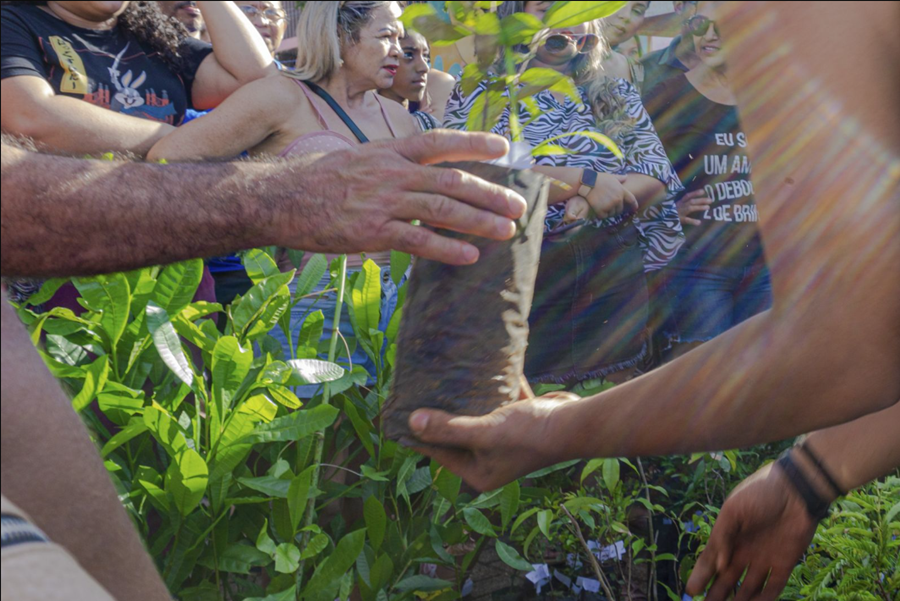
<point>659,226</point>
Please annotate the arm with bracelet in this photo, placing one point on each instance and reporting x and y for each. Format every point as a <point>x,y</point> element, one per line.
<point>607,193</point>
<point>769,520</point>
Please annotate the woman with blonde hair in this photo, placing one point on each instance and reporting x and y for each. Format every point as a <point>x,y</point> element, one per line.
<point>589,315</point>
<point>347,51</point>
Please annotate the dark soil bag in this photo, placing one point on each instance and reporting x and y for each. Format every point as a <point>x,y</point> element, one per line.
<point>462,341</point>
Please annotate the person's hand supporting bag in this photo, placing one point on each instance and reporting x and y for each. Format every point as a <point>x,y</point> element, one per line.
<point>608,197</point>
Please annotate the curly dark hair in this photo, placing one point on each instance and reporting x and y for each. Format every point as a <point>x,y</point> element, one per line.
<point>146,22</point>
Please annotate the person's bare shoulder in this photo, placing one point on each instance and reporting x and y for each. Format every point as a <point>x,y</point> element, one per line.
<point>403,122</point>
<point>616,65</point>
<point>440,86</point>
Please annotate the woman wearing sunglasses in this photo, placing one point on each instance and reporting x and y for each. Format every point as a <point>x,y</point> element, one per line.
<point>720,277</point>
<point>590,307</point>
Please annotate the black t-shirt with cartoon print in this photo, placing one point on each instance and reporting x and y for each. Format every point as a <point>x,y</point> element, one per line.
<point>108,68</point>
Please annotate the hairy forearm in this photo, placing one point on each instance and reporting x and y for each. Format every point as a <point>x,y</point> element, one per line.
<point>48,462</point>
<point>102,216</point>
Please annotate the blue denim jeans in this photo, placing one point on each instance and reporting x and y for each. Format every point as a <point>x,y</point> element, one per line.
<point>590,310</point>
<point>707,300</point>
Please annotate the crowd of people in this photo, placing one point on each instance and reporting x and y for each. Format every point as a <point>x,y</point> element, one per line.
<point>649,251</point>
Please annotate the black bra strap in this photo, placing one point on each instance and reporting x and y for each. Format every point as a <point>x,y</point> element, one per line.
<point>338,111</point>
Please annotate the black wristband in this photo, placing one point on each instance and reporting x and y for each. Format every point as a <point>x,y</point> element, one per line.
<point>835,488</point>
<point>816,506</point>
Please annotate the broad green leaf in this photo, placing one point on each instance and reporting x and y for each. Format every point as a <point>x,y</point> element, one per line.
<point>366,298</point>
<point>310,335</point>
<point>478,522</point>
<point>419,481</point>
<point>399,264</point>
<point>422,584</point>
<point>487,24</point>
<point>240,559</point>
<point>285,595</point>
<point>298,496</point>
<point>167,343</point>
<point>230,365</point>
<point>592,466</point>
<point>316,545</point>
<point>259,265</point>
<point>135,428</point>
<point>537,79</point>
<point>543,519</point>
<point>520,519</point>
<point>110,296</point>
<point>381,572</point>
<point>362,427</point>
<point>119,407</point>
<point>199,310</point>
<point>264,542</point>
<point>311,275</point>
<point>376,521</point>
<point>256,409</point>
<point>287,558</point>
<point>424,19</point>
<point>509,502</point>
<point>186,480</point>
<point>295,426</point>
<point>486,111</point>
<point>519,28</point>
<point>393,328</point>
<point>611,470</point>
<point>571,14</point>
<point>95,376</point>
<point>447,484</point>
<point>268,485</point>
<point>176,286</point>
<point>333,568</point>
<point>165,430</point>
<point>313,371</point>
<point>254,304</point>
<point>511,557</point>
<point>546,150</point>
<point>357,376</point>
<point>285,397</point>
<point>371,474</point>
<point>65,351</point>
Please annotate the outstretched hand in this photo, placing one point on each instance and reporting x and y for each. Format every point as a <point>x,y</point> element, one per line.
<point>492,450</point>
<point>364,198</point>
<point>763,529</point>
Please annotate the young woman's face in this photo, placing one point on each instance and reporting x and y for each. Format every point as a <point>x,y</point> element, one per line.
<point>624,24</point>
<point>375,58</point>
<point>707,41</point>
<point>412,74</point>
<point>269,19</point>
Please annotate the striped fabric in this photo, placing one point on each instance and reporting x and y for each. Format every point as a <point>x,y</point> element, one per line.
<point>18,531</point>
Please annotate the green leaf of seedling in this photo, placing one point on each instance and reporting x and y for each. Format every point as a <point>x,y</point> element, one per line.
<point>268,485</point>
<point>186,481</point>
<point>316,545</point>
<point>313,371</point>
<point>167,343</point>
<point>310,335</point>
<point>424,19</point>
<point>311,275</point>
<point>422,584</point>
<point>511,557</point>
<point>487,108</point>
<point>371,474</point>
<point>592,466</point>
<point>543,519</point>
<point>376,521</point>
<point>296,426</point>
<point>596,137</point>
<point>519,28</point>
<point>337,564</point>
<point>478,522</point>
<point>110,296</point>
<point>400,262</point>
<point>259,265</point>
<point>95,376</point>
<point>509,502</point>
<point>571,14</point>
<point>264,542</point>
<point>48,289</point>
<point>611,471</point>
<point>287,558</point>
<point>298,496</point>
<point>176,286</point>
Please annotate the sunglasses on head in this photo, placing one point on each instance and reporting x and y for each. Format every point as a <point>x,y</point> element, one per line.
<point>584,42</point>
<point>699,25</point>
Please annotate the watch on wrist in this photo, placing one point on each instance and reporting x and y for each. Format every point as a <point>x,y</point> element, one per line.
<point>588,181</point>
